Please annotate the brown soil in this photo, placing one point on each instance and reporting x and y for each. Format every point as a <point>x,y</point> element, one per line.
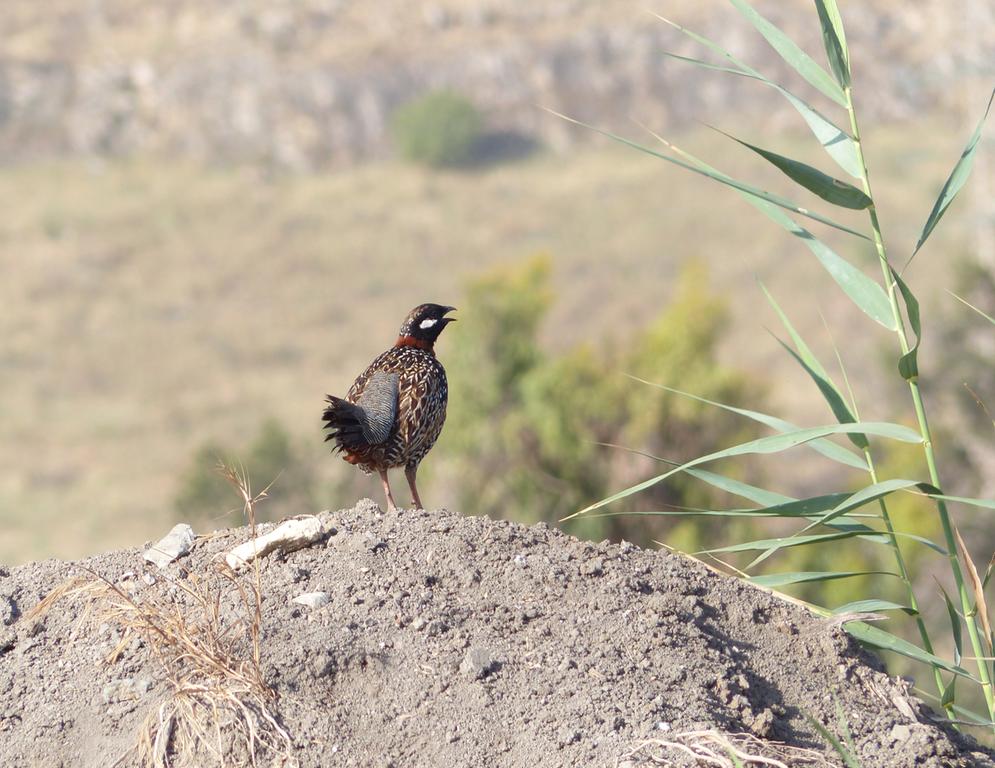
<point>455,641</point>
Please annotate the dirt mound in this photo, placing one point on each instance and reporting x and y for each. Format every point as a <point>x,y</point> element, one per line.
<point>458,641</point>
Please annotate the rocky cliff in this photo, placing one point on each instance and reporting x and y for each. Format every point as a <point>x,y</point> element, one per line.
<point>312,84</point>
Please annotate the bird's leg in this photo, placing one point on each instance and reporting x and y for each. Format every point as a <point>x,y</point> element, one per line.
<point>409,472</point>
<point>391,505</point>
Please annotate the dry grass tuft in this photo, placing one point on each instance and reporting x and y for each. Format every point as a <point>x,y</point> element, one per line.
<point>204,633</point>
<point>720,750</point>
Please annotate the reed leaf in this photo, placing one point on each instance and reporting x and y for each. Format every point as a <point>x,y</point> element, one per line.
<point>766,445</point>
<point>845,754</point>
<point>807,359</point>
<point>955,181</point>
<point>955,626</point>
<point>837,143</point>
<point>834,140</point>
<point>831,190</point>
<point>985,315</point>
<point>870,606</point>
<point>785,542</point>
<point>864,292</point>
<point>983,503</point>
<point>739,488</point>
<point>834,40</point>
<point>788,50</point>
<point>807,577</point>
<point>908,365</point>
<point>695,165</point>
<point>827,448</point>
<point>879,638</point>
<point>866,495</point>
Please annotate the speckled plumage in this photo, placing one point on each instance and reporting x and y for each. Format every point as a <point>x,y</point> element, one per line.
<point>394,411</point>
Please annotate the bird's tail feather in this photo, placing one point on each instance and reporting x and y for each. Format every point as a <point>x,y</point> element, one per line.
<point>345,423</point>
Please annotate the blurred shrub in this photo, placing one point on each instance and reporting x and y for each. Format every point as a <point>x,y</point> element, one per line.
<point>204,496</point>
<point>962,386</point>
<point>527,431</point>
<point>438,129</point>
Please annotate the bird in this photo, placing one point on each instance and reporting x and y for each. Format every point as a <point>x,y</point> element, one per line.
<point>394,411</point>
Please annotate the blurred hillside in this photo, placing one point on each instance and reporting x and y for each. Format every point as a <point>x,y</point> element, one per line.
<point>151,308</point>
<point>180,275</point>
<point>306,84</point>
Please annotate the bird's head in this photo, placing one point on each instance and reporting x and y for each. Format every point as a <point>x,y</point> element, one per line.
<point>423,325</point>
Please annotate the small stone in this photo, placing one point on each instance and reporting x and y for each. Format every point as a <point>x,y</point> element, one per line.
<point>478,663</point>
<point>174,544</point>
<point>125,689</point>
<point>311,599</point>
<point>567,735</point>
<point>520,560</point>
<point>594,567</point>
<point>299,574</point>
<point>900,733</point>
<point>8,610</point>
<point>418,623</point>
<point>36,627</point>
<point>322,665</point>
<point>663,726</point>
<point>290,535</point>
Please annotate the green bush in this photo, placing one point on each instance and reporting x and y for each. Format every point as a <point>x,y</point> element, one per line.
<point>527,430</point>
<point>439,129</point>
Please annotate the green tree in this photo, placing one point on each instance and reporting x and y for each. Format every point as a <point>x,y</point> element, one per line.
<point>439,129</point>
<point>530,434</point>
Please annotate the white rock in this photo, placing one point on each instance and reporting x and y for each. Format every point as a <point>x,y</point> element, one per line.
<point>311,599</point>
<point>288,536</point>
<point>171,546</point>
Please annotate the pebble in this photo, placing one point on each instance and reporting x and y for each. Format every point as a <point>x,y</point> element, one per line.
<point>174,544</point>
<point>290,535</point>
<point>593,567</point>
<point>900,733</point>
<point>478,663</point>
<point>8,610</point>
<point>322,665</point>
<point>311,599</point>
<point>126,688</point>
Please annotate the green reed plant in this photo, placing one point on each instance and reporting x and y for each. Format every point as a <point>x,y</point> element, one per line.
<point>842,517</point>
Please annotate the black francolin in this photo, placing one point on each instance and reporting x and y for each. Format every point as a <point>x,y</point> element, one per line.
<point>395,409</point>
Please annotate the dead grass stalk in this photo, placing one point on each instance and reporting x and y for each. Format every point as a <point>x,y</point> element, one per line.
<point>720,750</point>
<point>204,633</point>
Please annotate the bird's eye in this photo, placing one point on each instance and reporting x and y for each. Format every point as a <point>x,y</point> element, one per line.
<point>427,323</point>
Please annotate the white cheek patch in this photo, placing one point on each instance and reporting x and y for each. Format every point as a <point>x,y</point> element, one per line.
<point>427,323</point>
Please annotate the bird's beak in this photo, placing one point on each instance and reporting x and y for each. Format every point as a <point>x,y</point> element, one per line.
<point>450,319</point>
